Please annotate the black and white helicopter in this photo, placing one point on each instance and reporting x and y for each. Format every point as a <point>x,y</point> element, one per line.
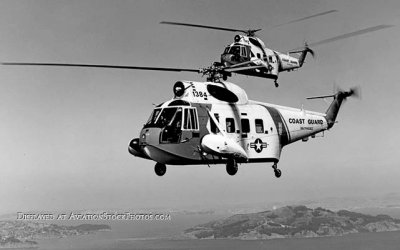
<point>248,55</point>
<point>215,122</point>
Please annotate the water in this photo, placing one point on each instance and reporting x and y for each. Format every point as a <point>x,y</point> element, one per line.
<point>363,241</point>
<point>152,235</point>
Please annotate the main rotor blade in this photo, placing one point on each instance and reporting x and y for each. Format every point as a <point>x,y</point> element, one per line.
<point>243,68</point>
<point>351,34</point>
<point>307,17</point>
<point>247,31</point>
<point>100,66</point>
<point>204,26</point>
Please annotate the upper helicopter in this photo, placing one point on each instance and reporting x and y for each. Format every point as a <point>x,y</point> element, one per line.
<point>248,55</point>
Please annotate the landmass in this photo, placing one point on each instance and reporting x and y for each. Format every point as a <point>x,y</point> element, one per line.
<point>291,222</point>
<point>22,234</point>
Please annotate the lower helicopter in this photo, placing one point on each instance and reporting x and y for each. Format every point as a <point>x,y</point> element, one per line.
<point>216,123</point>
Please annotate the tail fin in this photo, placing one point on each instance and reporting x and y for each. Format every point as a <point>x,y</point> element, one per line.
<point>303,53</point>
<point>333,110</point>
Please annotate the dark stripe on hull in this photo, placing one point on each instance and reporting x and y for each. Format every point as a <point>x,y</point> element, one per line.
<point>222,161</point>
<point>254,73</point>
<point>284,136</point>
<point>175,159</point>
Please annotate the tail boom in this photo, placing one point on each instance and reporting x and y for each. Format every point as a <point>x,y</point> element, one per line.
<point>333,110</point>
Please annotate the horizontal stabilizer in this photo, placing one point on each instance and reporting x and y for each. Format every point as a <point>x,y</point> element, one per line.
<point>319,97</point>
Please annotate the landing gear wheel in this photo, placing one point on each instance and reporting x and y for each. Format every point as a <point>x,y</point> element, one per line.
<point>160,169</point>
<point>231,167</point>
<point>277,171</point>
<point>276,84</point>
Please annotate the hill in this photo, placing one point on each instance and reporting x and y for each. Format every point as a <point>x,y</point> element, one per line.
<point>293,221</point>
<point>21,234</point>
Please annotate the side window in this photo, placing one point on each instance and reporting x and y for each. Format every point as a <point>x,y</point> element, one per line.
<point>186,123</point>
<point>245,125</point>
<point>214,128</point>
<point>190,119</point>
<point>244,52</point>
<point>280,128</point>
<point>230,125</point>
<point>259,126</point>
<point>193,119</point>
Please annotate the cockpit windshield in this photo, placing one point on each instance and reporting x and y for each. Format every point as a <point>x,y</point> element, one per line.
<point>167,116</point>
<point>153,117</point>
<point>226,51</point>
<point>238,50</point>
<point>235,50</point>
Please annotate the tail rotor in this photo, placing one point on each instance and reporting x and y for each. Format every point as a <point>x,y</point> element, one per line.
<point>352,92</point>
<point>339,96</point>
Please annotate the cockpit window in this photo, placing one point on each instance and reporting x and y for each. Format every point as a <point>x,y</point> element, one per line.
<point>226,51</point>
<point>239,50</point>
<point>153,116</point>
<point>235,50</point>
<point>172,128</point>
<point>167,116</point>
<point>190,120</point>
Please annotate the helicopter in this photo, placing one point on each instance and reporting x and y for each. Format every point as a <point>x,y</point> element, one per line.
<point>214,123</point>
<point>248,55</point>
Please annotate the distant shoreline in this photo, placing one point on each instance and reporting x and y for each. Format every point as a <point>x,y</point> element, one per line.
<point>292,222</point>
<point>23,234</point>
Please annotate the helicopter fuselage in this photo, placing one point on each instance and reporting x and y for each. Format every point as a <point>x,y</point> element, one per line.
<point>249,56</point>
<point>211,123</point>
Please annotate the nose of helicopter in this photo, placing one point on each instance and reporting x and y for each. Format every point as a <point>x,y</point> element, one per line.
<point>148,146</point>
<point>148,137</point>
<point>134,147</point>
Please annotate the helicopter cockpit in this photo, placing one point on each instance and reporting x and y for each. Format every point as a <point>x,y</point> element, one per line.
<point>173,120</point>
<point>236,53</point>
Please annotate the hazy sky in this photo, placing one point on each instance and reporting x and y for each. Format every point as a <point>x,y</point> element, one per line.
<point>64,132</point>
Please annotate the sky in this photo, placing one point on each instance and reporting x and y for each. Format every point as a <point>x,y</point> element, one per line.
<point>64,132</point>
